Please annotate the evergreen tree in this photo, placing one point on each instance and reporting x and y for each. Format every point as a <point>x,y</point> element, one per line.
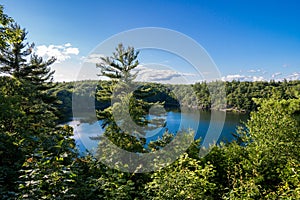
<point>28,124</point>
<point>125,121</point>
<point>18,60</point>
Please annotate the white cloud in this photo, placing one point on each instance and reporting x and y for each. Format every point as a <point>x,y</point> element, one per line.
<point>232,77</point>
<point>151,72</point>
<point>71,50</point>
<point>294,76</point>
<point>68,45</point>
<point>240,77</point>
<point>276,74</point>
<point>255,78</point>
<point>60,52</point>
<point>148,74</point>
<point>254,70</point>
<point>93,58</point>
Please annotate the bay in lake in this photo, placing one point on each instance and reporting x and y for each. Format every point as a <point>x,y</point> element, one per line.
<point>211,126</point>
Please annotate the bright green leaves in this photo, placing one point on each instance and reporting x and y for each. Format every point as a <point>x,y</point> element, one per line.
<point>47,176</point>
<point>268,163</point>
<point>184,179</point>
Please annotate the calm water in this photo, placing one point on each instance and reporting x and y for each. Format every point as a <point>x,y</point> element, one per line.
<point>205,126</point>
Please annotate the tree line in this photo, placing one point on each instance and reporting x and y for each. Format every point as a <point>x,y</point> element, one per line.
<point>39,159</point>
<point>240,95</point>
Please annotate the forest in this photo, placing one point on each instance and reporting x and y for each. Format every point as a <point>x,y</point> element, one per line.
<point>239,95</point>
<point>39,158</point>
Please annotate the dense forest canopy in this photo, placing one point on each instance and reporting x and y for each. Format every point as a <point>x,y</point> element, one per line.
<point>239,94</point>
<point>39,159</point>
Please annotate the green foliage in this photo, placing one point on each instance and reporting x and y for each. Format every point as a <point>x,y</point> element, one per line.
<point>6,33</point>
<point>264,161</point>
<point>35,152</point>
<point>118,67</point>
<point>239,95</point>
<point>113,184</point>
<point>10,161</point>
<point>39,160</point>
<point>125,120</point>
<point>184,179</point>
<point>270,154</point>
<point>48,173</point>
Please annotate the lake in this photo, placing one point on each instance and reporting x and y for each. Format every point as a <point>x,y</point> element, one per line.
<point>211,126</point>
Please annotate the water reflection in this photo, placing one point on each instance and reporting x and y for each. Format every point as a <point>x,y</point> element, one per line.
<point>86,134</point>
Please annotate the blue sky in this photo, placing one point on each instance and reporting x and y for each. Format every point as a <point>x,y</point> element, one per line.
<point>247,40</point>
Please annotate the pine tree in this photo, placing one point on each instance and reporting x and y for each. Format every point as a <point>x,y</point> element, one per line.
<point>18,61</point>
<point>125,121</point>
